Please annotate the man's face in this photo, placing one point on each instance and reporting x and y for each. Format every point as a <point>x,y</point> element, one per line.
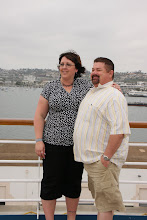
<point>99,74</point>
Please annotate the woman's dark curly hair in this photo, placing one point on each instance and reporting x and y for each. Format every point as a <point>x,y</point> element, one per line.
<point>75,58</point>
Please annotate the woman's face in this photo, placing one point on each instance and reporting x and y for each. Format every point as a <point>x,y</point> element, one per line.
<point>67,69</point>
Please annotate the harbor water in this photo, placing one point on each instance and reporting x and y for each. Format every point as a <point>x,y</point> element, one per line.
<point>21,102</point>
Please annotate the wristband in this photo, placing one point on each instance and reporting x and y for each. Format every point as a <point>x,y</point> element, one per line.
<point>39,139</point>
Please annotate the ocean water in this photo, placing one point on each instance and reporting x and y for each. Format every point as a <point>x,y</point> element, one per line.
<point>21,102</point>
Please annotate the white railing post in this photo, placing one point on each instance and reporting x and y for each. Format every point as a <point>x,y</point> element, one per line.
<point>38,206</point>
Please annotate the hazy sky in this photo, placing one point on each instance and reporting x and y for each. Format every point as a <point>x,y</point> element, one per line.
<point>33,33</point>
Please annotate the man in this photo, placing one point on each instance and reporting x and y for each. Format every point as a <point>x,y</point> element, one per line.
<point>101,136</point>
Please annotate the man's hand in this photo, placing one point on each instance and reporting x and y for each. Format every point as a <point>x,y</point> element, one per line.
<point>104,162</point>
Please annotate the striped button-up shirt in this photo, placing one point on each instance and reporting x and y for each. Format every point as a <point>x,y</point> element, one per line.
<point>103,112</point>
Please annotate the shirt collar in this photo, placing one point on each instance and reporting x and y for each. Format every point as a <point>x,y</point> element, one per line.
<point>101,86</point>
<point>105,85</point>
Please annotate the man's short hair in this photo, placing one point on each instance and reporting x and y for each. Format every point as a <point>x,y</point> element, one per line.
<point>108,63</point>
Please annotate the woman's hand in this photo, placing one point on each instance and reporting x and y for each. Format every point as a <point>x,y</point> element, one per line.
<point>40,149</point>
<point>116,86</point>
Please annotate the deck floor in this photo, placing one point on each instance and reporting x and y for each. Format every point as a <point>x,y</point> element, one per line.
<point>61,209</point>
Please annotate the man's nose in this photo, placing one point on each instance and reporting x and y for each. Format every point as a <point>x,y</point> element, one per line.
<point>94,73</point>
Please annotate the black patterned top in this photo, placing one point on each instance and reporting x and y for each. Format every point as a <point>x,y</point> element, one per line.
<point>63,108</point>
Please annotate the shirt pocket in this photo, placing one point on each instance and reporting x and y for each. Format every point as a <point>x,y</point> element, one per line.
<point>95,111</point>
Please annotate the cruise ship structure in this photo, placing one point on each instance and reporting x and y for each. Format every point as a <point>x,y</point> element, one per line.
<point>21,173</point>
<point>144,104</point>
<point>137,93</point>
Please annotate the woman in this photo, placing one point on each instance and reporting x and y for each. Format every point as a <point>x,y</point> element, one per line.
<point>60,99</point>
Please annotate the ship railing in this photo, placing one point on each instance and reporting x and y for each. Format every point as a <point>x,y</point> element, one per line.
<point>29,122</point>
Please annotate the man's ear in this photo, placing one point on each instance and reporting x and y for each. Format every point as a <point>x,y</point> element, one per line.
<point>111,73</point>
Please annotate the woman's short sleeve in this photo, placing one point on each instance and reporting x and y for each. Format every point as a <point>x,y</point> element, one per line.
<point>46,91</point>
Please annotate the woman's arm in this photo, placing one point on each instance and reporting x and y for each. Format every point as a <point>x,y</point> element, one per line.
<point>115,85</point>
<point>39,120</point>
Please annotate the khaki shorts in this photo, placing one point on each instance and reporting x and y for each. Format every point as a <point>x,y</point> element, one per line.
<point>104,186</point>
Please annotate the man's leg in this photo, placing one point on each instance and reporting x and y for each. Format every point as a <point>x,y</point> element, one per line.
<point>71,205</point>
<point>49,208</point>
<point>105,215</point>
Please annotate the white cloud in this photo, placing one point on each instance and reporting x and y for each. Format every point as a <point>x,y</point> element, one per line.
<point>34,32</point>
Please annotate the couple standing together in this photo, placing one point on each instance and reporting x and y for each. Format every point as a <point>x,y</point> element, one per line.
<point>87,123</point>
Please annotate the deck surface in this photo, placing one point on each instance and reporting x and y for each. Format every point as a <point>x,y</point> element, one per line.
<point>61,209</point>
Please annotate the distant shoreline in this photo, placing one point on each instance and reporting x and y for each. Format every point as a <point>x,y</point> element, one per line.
<point>41,86</point>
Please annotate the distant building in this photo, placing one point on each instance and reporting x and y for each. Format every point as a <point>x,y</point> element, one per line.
<point>29,78</point>
<point>141,83</point>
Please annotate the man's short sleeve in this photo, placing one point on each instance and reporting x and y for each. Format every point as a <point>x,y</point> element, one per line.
<point>117,115</point>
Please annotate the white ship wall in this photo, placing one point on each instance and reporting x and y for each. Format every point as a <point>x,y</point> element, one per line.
<point>30,190</point>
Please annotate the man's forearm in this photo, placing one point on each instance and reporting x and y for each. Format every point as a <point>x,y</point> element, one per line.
<point>114,143</point>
